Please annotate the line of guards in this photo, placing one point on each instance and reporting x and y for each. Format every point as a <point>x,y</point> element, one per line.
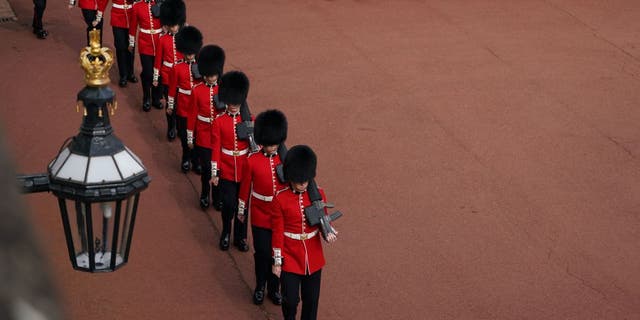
<point>245,168</point>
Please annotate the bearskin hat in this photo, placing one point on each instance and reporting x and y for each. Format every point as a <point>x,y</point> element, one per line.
<point>234,87</point>
<point>210,60</point>
<point>270,128</point>
<point>173,12</point>
<point>300,164</point>
<point>189,40</point>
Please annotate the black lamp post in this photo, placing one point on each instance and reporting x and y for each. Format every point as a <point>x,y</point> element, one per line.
<point>95,177</point>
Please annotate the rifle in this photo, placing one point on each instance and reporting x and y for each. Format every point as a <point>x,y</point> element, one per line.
<point>244,129</point>
<point>195,72</point>
<point>314,213</point>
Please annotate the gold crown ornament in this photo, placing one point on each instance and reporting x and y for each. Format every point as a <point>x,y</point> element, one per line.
<point>96,61</point>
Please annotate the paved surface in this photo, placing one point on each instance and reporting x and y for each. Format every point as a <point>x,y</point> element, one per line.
<point>485,155</point>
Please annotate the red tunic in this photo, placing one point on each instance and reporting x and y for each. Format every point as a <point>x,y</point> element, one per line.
<point>302,257</point>
<point>260,182</point>
<point>166,56</point>
<point>202,113</point>
<point>181,83</point>
<point>228,152</point>
<point>120,12</point>
<point>150,28</point>
<point>99,5</point>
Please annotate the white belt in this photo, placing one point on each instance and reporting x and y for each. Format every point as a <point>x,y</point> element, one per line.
<point>167,64</point>
<point>150,31</point>
<point>261,197</point>
<point>205,119</point>
<point>301,236</point>
<point>187,92</point>
<point>235,153</point>
<point>121,6</point>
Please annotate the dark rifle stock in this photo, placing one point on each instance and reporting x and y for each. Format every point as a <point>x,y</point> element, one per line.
<point>244,129</point>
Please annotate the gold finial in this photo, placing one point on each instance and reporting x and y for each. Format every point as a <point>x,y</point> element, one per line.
<point>113,106</point>
<point>96,61</point>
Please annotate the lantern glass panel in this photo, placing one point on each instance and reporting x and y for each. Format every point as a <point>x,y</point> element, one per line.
<point>102,169</point>
<point>100,233</point>
<point>59,161</point>
<point>74,168</point>
<point>128,163</point>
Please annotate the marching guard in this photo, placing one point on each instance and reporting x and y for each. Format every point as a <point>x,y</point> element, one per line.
<point>120,13</point>
<point>258,186</point>
<point>92,11</point>
<point>297,249</point>
<point>148,41</point>
<point>182,80</point>
<point>203,111</point>
<point>173,15</point>
<point>229,153</point>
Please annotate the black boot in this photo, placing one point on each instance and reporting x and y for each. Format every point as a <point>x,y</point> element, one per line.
<point>204,203</point>
<point>258,296</point>
<point>241,245</point>
<point>224,242</point>
<point>275,297</point>
<point>185,166</point>
<point>146,105</point>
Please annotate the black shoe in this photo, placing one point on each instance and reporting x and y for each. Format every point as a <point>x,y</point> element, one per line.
<point>276,298</point>
<point>204,203</point>
<point>41,34</point>
<point>185,166</point>
<point>224,242</point>
<point>217,205</point>
<point>132,79</point>
<point>123,82</point>
<point>171,134</point>
<point>157,105</point>
<point>258,296</point>
<point>146,106</point>
<point>241,245</point>
<point>197,169</point>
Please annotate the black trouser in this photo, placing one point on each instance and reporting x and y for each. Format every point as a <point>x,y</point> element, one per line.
<point>38,12</point>
<point>149,92</point>
<point>171,118</point>
<point>262,259</point>
<point>123,55</point>
<point>89,17</point>
<point>229,192</point>
<point>292,286</point>
<point>187,154</point>
<point>203,156</point>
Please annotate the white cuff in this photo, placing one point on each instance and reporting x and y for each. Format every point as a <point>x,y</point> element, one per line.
<point>241,207</point>
<point>277,257</point>
<point>214,169</point>
<point>132,41</point>
<point>99,16</point>
<point>189,137</point>
<point>156,74</point>
<point>170,102</point>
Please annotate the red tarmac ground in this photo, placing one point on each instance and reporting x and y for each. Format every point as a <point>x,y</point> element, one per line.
<point>485,155</point>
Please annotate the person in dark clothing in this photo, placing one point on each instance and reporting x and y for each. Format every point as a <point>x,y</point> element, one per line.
<point>38,12</point>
